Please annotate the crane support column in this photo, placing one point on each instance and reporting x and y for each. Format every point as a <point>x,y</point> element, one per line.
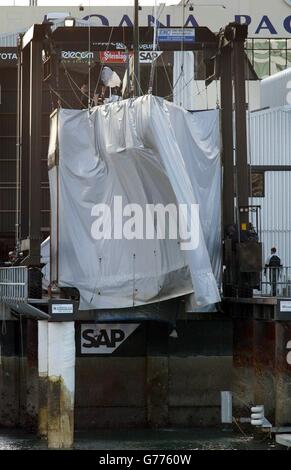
<point>227,135</point>
<point>241,150</point>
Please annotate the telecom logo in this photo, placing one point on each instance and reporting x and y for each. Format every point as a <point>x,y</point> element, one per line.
<point>77,55</point>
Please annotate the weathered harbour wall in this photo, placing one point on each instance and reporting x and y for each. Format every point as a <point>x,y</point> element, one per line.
<point>151,378</point>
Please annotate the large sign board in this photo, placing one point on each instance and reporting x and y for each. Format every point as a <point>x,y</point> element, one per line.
<point>104,338</point>
<point>119,57</point>
<point>8,55</point>
<point>176,35</point>
<point>266,19</point>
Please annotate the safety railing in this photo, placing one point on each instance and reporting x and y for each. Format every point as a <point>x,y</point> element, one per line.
<point>14,283</point>
<point>276,282</point>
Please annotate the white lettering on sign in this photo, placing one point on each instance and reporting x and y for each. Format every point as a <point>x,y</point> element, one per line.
<point>113,57</point>
<point>176,34</point>
<point>8,56</point>
<point>77,55</point>
<point>289,353</point>
<point>265,18</point>
<point>104,338</point>
<point>62,308</point>
<point>285,306</point>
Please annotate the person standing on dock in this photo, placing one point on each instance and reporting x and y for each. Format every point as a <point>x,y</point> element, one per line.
<point>273,263</point>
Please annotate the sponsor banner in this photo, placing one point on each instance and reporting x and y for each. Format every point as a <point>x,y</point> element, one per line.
<point>118,57</point>
<point>265,18</point>
<point>8,55</point>
<point>107,57</point>
<point>113,57</point>
<point>285,306</point>
<point>79,56</point>
<point>176,35</point>
<point>104,338</point>
<point>149,56</point>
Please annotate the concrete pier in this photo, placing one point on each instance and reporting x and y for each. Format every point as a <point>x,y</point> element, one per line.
<point>31,402</point>
<point>61,384</point>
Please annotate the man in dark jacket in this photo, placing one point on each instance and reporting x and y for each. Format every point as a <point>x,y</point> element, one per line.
<point>273,263</point>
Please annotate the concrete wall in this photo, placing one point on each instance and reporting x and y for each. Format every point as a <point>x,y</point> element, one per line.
<point>18,374</point>
<point>11,365</point>
<point>151,379</point>
<point>154,379</point>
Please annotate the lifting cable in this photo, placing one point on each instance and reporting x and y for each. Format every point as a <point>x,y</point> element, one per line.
<point>89,61</point>
<point>156,15</point>
<point>166,73</point>
<point>70,80</point>
<point>133,283</point>
<point>60,97</point>
<point>98,280</point>
<point>101,67</point>
<point>249,134</point>
<point>69,76</point>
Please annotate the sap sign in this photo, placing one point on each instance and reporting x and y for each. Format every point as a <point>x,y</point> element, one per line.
<point>149,57</point>
<point>104,338</point>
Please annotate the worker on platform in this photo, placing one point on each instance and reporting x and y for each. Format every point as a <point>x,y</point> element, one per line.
<point>95,100</point>
<point>274,265</point>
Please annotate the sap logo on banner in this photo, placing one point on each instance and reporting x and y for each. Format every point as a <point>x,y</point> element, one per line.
<point>104,338</point>
<point>149,57</point>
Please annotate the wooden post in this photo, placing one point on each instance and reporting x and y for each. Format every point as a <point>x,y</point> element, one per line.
<point>42,378</point>
<point>157,375</point>
<point>243,371</point>
<point>157,391</point>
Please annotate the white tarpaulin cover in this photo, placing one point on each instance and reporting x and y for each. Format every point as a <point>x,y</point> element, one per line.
<point>147,151</point>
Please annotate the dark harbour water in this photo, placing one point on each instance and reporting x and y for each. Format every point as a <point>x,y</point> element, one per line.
<point>177,439</point>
